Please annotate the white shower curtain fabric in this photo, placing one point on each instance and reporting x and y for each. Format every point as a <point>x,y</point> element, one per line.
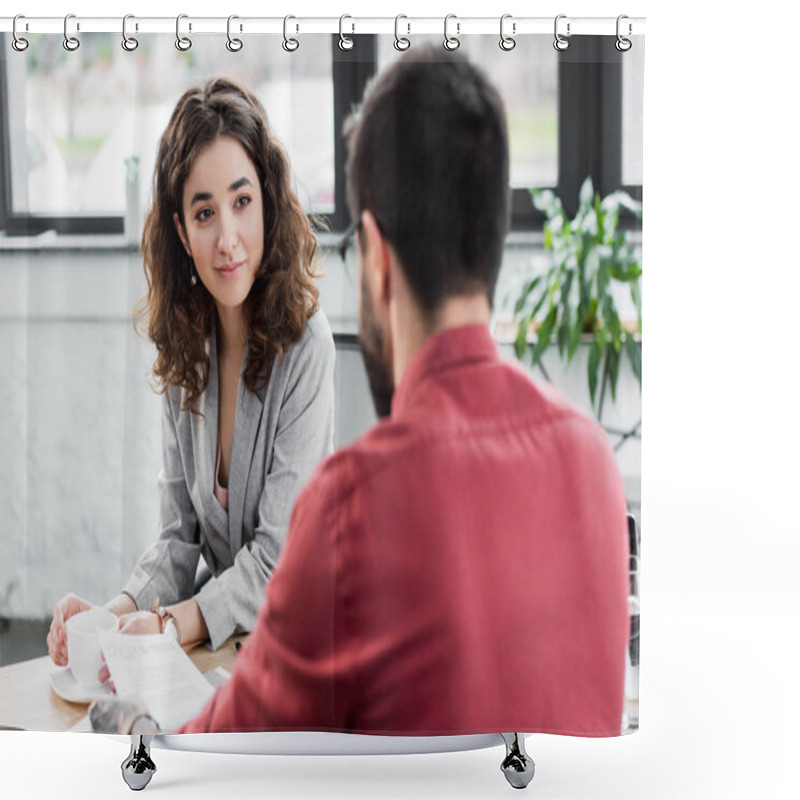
<point>91,498</point>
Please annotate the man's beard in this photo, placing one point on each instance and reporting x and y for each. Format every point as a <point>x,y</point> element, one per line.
<point>381,383</point>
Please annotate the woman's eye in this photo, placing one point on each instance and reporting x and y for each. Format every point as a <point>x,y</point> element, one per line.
<point>242,201</point>
<point>203,215</point>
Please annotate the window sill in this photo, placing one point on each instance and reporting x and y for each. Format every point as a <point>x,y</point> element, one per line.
<point>50,240</point>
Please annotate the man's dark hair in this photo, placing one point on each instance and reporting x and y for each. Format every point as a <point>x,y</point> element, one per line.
<point>429,159</point>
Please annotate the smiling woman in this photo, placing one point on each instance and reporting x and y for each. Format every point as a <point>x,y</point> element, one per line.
<point>224,229</point>
<point>223,235</point>
<point>245,364</point>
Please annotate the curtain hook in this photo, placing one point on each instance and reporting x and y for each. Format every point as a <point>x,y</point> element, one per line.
<point>400,42</point>
<point>622,44</point>
<point>560,42</point>
<point>451,42</point>
<point>507,42</point>
<point>129,43</point>
<point>345,42</point>
<point>289,45</point>
<point>71,43</point>
<point>19,43</point>
<point>183,43</point>
<point>233,44</point>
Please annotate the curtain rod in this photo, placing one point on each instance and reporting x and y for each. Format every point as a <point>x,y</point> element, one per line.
<point>348,25</point>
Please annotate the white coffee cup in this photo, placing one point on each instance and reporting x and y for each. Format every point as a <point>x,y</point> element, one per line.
<point>84,645</point>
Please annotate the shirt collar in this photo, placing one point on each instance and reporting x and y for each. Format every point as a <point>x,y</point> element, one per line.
<point>444,350</point>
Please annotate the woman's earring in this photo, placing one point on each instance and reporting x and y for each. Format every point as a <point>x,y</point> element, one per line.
<point>193,278</point>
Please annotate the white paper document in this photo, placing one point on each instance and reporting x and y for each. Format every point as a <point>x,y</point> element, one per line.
<point>156,669</point>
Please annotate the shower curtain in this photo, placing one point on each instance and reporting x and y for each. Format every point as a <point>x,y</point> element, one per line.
<point>82,422</point>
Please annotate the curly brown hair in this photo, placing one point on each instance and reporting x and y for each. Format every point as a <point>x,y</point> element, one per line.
<point>180,316</point>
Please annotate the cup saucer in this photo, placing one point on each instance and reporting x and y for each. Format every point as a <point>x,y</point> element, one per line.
<point>66,686</point>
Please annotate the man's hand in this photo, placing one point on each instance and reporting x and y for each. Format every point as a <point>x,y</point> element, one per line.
<point>66,607</point>
<point>128,716</point>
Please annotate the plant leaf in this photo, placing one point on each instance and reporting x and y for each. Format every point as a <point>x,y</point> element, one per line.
<point>613,368</point>
<point>586,196</point>
<point>636,296</point>
<point>543,335</point>
<point>611,321</point>
<point>546,201</point>
<point>562,337</point>
<point>595,354</point>
<point>526,292</point>
<point>632,348</point>
<point>521,342</point>
<point>620,199</point>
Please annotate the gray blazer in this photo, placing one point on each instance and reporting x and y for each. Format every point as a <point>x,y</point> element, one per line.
<point>280,434</point>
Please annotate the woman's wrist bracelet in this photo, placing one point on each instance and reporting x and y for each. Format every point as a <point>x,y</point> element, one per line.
<point>168,622</point>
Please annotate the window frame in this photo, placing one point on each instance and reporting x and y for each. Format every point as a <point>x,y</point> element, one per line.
<point>589,111</point>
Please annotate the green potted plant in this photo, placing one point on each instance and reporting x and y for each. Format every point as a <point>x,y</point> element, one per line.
<point>573,299</point>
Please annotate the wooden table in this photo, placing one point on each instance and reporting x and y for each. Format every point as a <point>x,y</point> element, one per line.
<point>28,702</point>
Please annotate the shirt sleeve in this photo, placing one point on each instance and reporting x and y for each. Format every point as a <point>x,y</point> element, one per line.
<point>166,570</point>
<point>293,672</point>
<point>304,436</point>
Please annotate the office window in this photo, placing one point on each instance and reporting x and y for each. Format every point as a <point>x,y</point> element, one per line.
<point>75,118</point>
<point>71,127</point>
<point>527,79</point>
<point>632,115</point>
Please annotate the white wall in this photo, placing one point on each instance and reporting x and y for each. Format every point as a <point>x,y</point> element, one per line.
<point>80,427</point>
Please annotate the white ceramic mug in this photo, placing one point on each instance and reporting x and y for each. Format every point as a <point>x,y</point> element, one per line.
<point>84,645</point>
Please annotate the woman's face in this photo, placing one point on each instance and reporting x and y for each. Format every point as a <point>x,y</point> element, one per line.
<point>223,228</point>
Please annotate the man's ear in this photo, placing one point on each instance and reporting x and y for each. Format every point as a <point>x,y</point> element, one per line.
<point>182,233</point>
<point>377,261</point>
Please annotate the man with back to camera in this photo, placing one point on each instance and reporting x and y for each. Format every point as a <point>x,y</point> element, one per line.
<point>462,568</point>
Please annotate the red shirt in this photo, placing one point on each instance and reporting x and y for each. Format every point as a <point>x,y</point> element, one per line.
<point>462,568</point>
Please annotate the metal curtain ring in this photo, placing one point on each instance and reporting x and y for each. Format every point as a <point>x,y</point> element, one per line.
<point>289,45</point>
<point>451,42</point>
<point>400,42</point>
<point>345,42</point>
<point>71,43</point>
<point>622,44</point>
<point>233,44</point>
<point>183,43</point>
<point>128,42</point>
<point>560,42</point>
<point>507,42</point>
<point>19,43</point>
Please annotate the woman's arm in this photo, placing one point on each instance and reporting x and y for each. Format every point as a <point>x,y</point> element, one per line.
<point>166,570</point>
<point>189,626</point>
<point>304,436</point>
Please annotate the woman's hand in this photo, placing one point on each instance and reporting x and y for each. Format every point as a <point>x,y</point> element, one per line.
<point>66,607</point>
<point>140,622</point>
<point>128,716</point>
<point>137,622</point>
